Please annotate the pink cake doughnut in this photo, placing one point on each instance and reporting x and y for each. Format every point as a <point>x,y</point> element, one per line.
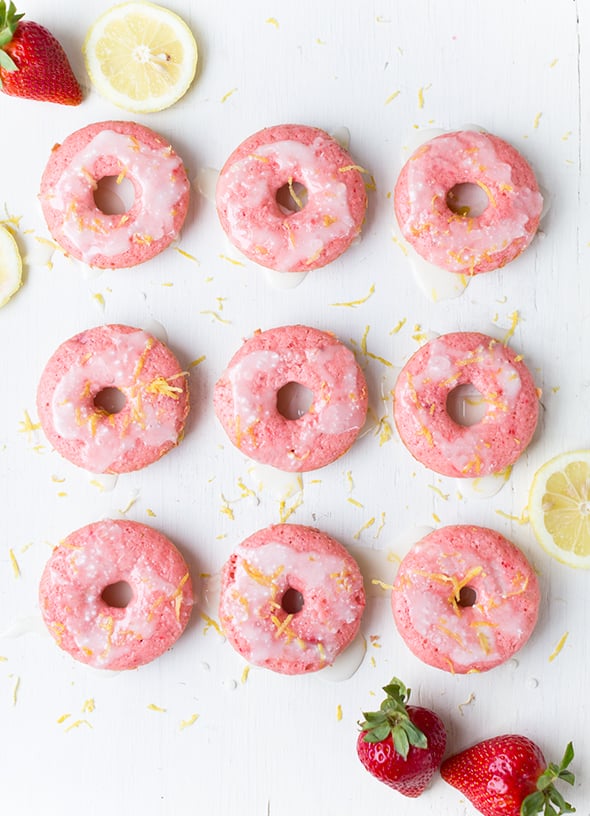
<point>245,398</point>
<point>460,243</point>
<point>100,556</point>
<point>274,236</point>
<point>291,600</point>
<point>122,150</point>
<point>149,379</point>
<point>465,599</point>
<point>506,386</point>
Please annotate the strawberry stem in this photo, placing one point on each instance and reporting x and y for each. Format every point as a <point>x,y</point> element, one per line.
<point>393,720</point>
<point>547,799</point>
<point>8,23</point>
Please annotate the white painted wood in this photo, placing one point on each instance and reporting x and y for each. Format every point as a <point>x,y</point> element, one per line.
<point>275,744</point>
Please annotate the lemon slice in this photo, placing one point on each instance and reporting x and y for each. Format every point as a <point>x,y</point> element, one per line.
<point>559,508</point>
<point>140,56</point>
<point>11,267</point>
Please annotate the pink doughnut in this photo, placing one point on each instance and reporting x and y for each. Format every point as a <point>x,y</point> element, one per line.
<point>465,599</point>
<point>123,150</point>
<point>144,372</point>
<point>274,236</point>
<point>291,600</point>
<point>506,386</point>
<point>460,243</point>
<point>245,398</point>
<point>97,557</point>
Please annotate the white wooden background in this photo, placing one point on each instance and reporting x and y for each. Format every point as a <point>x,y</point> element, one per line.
<point>276,745</point>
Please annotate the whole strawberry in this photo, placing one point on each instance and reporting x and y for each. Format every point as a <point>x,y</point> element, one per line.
<point>508,776</point>
<point>401,745</point>
<point>33,64</point>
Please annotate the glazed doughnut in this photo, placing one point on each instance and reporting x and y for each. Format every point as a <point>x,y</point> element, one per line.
<point>273,236</point>
<point>123,150</point>
<point>259,615</point>
<point>245,398</point>
<point>465,599</point>
<point>506,386</point>
<point>148,377</point>
<point>97,557</point>
<point>460,243</point>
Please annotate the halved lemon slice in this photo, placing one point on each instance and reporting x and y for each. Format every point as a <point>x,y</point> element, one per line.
<point>11,267</point>
<point>140,56</point>
<point>559,508</point>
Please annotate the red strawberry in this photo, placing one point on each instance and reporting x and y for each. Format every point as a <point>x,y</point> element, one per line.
<point>401,745</point>
<point>508,776</point>
<point>33,64</point>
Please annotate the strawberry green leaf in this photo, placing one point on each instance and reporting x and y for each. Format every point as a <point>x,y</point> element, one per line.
<point>533,804</point>
<point>392,720</point>
<point>401,742</point>
<point>547,795</point>
<point>6,61</point>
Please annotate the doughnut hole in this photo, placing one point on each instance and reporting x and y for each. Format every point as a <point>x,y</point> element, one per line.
<point>117,595</point>
<point>114,195</point>
<point>467,199</point>
<point>467,597</point>
<point>292,601</point>
<point>466,405</point>
<point>291,197</point>
<point>110,400</point>
<point>294,400</point>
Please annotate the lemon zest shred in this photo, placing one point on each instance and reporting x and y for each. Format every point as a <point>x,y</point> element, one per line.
<point>391,97</point>
<point>354,502</point>
<point>381,584</point>
<point>286,512</point>
<point>77,724</point>
<point>216,316</point>
<point>349,167</point>
<point>559,647</point>
<point>365,526</point>
<point>438,491</point>
<point>421,91</point>
<point>359,302</point>
<point>231,260</point>
<point>198,361</point>
<point>28,426</point>
<point>338,712</point>
<point>63,718</point>
<point>154,707</point>
<point>161,385</point>
<point>150,512</point>
<point>522,519</point>
<point>187,723</point>
<point>399,325</point>
<point>15,688</point>
<point>227,95</point>
<point>89,706</point>
<point>514,321</point>
<point>14,563</point>
<point>467,702</point>
<point>398,243</point>
<point>128,506</point>
<point>187,255</point>
<point>211,624</point>
<point>381,525</point>
<point>272,21</point>
<point>245,674</point>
